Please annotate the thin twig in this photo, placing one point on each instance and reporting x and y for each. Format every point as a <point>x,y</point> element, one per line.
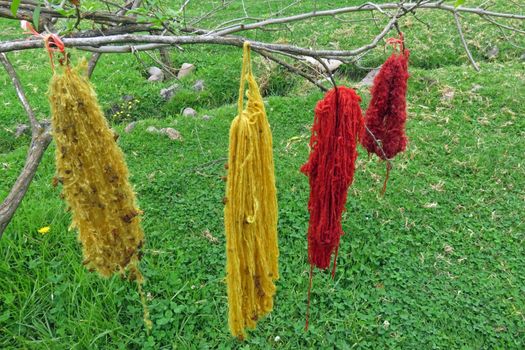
<point>289,67</point>
<point>464,42</point>
<point>514,29</point>
<point>35,125</point>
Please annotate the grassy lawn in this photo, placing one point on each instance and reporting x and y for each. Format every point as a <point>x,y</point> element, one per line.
<point>438,263</point>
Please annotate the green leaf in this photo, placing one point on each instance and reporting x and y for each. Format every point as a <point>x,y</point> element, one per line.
<point>36,17</point>
<point>14,6</point>
<point>459,3</point>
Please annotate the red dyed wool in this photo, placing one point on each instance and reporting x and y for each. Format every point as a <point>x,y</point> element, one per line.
<point>386,114</point>
<point>338,125</point>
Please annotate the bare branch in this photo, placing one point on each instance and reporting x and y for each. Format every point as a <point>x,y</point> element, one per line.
<point>40,141</point>
<point>14,198</point>
<point>103,43</point>
<point>514,29</point>
<point>35,126</point>
<point>464,42</point>
<point>407,7</point>
<point>93,63</point>
<point>25,11</point>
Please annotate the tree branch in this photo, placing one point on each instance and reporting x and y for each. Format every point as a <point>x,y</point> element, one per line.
<point>35,126</point>
<point>26,9</point>
<point>365,7</point>
<point>41,137</point>
<point>464,42</point>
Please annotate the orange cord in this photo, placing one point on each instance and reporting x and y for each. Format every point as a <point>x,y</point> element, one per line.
<point>397,43</point>
<point>52,43</point>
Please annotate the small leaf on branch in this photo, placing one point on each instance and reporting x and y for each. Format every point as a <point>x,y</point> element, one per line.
<point>459,3</point>
<point>14,7</point>
<point>36,17</point>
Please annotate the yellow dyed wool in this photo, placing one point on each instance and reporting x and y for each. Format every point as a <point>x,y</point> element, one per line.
<point>94,175</point>
<point>250,213</point>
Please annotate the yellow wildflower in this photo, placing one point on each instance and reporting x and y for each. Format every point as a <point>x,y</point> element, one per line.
<point>44,230</point>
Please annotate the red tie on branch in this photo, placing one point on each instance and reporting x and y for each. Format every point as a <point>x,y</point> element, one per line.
<point>386,114</point>
<point>338,125</point>
<point>52,42</point>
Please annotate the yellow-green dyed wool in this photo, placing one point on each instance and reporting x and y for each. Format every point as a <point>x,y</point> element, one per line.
<point>250,213</point>
<point>91,167</point>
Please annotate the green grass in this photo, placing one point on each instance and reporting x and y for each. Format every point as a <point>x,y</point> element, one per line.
<point>436,263</point>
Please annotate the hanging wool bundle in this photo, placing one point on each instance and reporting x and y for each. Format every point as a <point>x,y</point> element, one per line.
<point>386,114</point>
<point>94,175</point>
<point>338,125</point>
<point>250,213</point>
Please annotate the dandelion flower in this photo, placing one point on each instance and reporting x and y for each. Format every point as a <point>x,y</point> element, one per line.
<point>44,230</point>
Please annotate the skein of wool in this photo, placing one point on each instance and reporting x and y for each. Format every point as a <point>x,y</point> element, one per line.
<point>386,114</point>
<point>250,212</point>
<point>338,125</point>
<point>94,176</point>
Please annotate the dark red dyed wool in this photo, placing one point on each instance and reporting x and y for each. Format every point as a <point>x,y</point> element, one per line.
<point>338,125</point>
<point>386,114</point>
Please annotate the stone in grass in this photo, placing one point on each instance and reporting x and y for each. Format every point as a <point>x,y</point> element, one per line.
<point>522,57</point>
<point>21,129</point>
<point>168,93</point>
<point>156,74</point>
<point>154,71</point>
<point>206,117</point>
<point>199,85</point>
<point>189,112</point>
<point>172,134</point>
<point>129,128</point>
<point>492,52</point>
<point>185,70</point>
<point>368,80</point>
<point>152,130</point>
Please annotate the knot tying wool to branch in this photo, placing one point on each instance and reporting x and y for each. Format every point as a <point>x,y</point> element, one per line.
<point>52,43</point>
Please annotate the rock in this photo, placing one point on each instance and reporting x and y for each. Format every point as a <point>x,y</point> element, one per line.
<point>129,128</point>
<point>206,117</point>
<point>155,78</point>
<point>368,80</point>
<point>172,133</point>
<point>128,98</point>
<point>185,70</point>
<point>189,112</point>
<point>332,65</point>
<point>199,85</point>
<point>152,130</point>
<point>168,93</point>
<point>522,57</point>
<point>155,71</point>
<point>156,74</point>
<point>492,52</point>
<point>21,129</point>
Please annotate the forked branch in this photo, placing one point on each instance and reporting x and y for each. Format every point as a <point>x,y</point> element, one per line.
<point>41,137</point>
